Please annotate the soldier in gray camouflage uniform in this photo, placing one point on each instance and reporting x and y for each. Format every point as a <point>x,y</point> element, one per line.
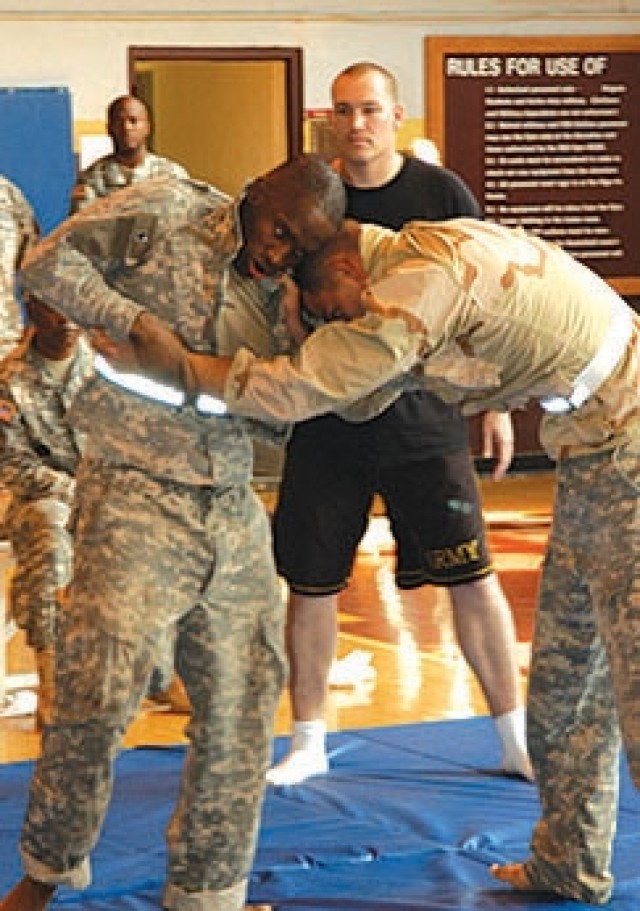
<point>129,126</point>
<point>18,231</point>
<point>167,529</point>
<point>39,453</point>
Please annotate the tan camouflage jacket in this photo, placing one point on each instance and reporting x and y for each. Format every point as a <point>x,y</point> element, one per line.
<point>18,231</point>
<point>39,450</point>
<point>482,314</point>
<point>165,246</point>
<point>106,175</point>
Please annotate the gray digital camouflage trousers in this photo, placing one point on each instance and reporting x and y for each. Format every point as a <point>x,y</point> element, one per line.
<point>585,676</point>
<point>43,553</point>
<point>150,553</point>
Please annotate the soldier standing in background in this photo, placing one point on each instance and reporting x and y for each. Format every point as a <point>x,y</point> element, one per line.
<point>129,126</point>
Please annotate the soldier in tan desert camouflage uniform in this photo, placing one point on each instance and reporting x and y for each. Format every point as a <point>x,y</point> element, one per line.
<point>167,530</point>
<point>492,317</point>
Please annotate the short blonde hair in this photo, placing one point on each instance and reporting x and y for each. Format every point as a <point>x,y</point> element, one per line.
<point>362,67</point>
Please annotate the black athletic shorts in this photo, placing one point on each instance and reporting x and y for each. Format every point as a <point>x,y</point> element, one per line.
<point>324,505</point>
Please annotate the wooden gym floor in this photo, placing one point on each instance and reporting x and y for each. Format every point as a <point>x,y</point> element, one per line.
<point>420,675</point>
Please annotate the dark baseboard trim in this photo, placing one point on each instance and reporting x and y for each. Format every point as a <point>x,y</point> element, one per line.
<point>530,461</point>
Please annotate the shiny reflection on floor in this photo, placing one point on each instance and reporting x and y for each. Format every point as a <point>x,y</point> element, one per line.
<point>408,665</point>
<point>420,674</point>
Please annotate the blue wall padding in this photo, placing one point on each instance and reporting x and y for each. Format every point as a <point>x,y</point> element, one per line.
<point>36,148</point>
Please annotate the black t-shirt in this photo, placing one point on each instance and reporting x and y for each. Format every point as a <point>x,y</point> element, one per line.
<point>422,191</point>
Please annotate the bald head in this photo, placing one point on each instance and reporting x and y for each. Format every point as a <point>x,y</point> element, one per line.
<point>332,279</point>
<point>368,68</point>
<point>340,252</point>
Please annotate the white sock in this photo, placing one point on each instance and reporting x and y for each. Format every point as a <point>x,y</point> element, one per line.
<point>310,736</point>
<point>307,755</point>
<point>512,731</point>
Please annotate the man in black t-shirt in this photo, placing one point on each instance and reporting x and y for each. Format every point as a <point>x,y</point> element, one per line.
<point>415,456</point>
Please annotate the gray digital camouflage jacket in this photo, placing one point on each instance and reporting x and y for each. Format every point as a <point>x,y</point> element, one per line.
<point>165,246</point>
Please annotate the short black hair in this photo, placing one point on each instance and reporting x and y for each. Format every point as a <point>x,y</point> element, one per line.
<point>309,274</point>
<point>120,100</point>
<point>315,178</point>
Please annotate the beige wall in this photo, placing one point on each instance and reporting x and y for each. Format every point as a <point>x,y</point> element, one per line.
<point>83,44</point>
<point>53,42</point>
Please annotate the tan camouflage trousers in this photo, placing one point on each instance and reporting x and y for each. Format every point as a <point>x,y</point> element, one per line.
<point>149,553</point>
<point>585,672</point>
<point>42,550</point>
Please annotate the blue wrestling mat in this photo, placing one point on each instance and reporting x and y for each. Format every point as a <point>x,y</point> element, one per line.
<point>409,819</point>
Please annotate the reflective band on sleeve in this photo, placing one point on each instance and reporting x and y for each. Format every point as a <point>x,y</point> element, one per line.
<point>157,392</point>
